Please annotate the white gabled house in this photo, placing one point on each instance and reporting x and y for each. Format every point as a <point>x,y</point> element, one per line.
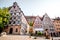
<point>47,23</point>
<point>37,26</point>
<point>18,23</point>
<point>24,25</point>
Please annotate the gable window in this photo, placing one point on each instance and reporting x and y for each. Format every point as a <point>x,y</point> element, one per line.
<point>17,13</point>
<point>18,17</point>
<point>11,13</point>
<point>11,18</point>
<point>17,22</point>
<point>14,22</point>
<point>9,22</point>
<point>14,17</point>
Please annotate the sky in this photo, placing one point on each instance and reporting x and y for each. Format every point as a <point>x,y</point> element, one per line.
<point>36,7</point>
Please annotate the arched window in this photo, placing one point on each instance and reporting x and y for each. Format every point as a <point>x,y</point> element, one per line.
<point>11,31</point>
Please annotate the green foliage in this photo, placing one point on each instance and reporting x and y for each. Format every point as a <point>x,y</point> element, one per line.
<point>39,33</point>
<point>31,23</point>
<point>4,17</point>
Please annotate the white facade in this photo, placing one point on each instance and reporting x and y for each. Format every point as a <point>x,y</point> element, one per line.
<point>15,12</point>
<point>24,25</point>
<point>37,26</point>
<point>18,19</point>
<point>48,24</point>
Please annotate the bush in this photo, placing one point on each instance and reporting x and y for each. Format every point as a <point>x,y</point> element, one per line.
<point>39,33</point>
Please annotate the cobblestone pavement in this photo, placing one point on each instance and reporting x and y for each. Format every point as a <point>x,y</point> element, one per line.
<point>23,37</point>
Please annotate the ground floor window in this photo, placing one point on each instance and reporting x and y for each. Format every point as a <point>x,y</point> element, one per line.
<point>16,29</point>
<point>38,33</point>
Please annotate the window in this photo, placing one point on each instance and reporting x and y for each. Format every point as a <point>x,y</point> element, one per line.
<point>18,17</point>
<point>14,17</point>
<point>11,18</point>
<point>58,25</point>
<point>51,29</point>
<point>14,22</point>
<point>16,29</point>
<point>9,22</point>
<point>58,28</point>
<point>14,13</point>
<point>11,13</point>
<point>17,13</point>
<point>17,22</point>
<point>50,26</point>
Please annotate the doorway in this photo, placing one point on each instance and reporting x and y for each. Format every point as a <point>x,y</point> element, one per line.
<point>11,30</point>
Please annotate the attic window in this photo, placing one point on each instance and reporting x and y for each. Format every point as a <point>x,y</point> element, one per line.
<point>14,22</point>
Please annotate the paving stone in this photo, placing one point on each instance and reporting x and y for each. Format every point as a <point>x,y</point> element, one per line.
<point>23,37</point>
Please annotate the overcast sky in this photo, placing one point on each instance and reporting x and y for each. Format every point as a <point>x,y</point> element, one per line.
<point>36,7</point>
